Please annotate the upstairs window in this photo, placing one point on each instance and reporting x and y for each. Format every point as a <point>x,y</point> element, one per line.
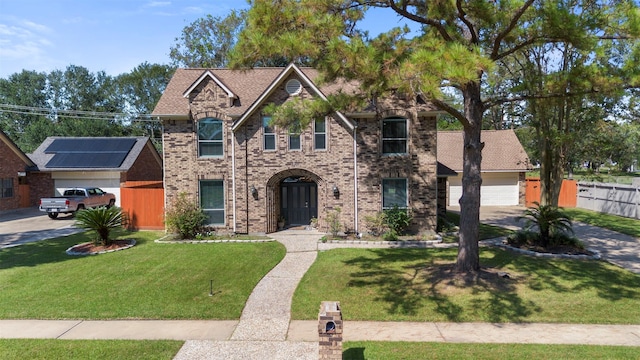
<point>320,134</point>
<point>210,137</point>
<point>294,137</point>
<point>294,141</point>
<point>269,141</point>
<point>394,136</point>
<point>394,193</point>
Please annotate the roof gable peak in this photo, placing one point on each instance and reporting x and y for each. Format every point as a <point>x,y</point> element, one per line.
<point>208,74</point>
<point>290,69</point>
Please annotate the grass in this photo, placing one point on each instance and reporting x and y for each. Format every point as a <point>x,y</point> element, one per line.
<point>415,285</point>
<point>51,349</point>
<point>612,222</point>
<point>486,231</point>
<point>418,351</point>
<point>148,281</point>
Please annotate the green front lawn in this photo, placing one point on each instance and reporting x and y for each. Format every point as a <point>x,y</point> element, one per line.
<point>35,349</point>
<point>149,281</point>
<point>485,231</point>
<point>418,351</point>
<point>415,285</point>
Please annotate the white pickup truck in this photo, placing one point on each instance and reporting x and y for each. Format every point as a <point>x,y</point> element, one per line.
<point>76,199</point>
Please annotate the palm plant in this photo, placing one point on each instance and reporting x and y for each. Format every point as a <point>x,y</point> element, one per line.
<point>101,220</point>
<point>549,220</point>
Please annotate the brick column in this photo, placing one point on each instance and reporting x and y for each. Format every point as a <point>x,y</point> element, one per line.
<point>330,331</point>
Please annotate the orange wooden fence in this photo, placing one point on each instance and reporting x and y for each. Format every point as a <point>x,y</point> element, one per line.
<point>144,203</point>
<point>568,193</point>
<point>23,195</point>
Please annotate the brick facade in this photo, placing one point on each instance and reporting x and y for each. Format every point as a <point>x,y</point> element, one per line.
<point>11,165</point>
<point>245,165</point>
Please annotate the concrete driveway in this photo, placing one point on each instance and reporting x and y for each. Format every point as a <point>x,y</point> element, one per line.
<point>29,225</point>
<point>616,248</point>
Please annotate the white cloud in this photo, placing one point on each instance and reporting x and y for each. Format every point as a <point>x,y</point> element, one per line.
<point>36,27</point>
<point>158,3</point>
<point>24,44</point>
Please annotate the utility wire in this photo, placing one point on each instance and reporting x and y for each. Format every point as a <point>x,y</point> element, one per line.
<point>77,114</point>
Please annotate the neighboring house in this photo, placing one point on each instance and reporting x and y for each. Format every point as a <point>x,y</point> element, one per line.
<point>220,150</point>
<point>104,162</point>
<point>15,167</point>
<point>504,165</point>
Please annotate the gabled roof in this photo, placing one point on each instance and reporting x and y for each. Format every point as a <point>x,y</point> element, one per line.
<point>5,139</point>
<point>208,74</point>
<point>247,85</point>
<point>502,151</point>
<point>90,153</point>
<point>292,68</point>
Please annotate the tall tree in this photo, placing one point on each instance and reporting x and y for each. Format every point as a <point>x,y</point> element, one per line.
<point>207,41</point>
<point>77,91</point>
<point>142,88</point>
<point>19,93</point>
<point>461,41</point>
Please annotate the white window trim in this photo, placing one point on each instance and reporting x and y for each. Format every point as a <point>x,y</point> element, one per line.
<point>210,141</point>
<point>224,210</point>
<point>264,136</point>
<point>406,189</point>
<point>326,142</point>
<point>299,142</point>
<point>406,139</point>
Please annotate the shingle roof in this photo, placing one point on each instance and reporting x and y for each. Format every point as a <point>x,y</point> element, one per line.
<point>502,151</point>
<point>248,85</point>
<point>53,158</point>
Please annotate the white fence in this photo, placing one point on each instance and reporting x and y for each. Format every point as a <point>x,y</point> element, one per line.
<point>617,199</point>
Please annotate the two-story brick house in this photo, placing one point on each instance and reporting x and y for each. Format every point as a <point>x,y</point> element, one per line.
<point>220,149</point>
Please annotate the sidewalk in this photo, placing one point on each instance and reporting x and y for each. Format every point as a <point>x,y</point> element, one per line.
<point>300,331</point>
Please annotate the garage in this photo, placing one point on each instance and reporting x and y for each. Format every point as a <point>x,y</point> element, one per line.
<point>498,189</point>
<point>107,181</point>
<point>103,162</point>
<point>504,165</point>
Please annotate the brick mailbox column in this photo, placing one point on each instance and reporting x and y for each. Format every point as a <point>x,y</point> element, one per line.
<point>330,331</point>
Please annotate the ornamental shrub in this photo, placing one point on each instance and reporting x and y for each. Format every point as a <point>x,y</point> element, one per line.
<point>185,218</point>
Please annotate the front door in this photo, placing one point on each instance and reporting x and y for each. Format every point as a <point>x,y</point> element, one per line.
<point>299,202</point>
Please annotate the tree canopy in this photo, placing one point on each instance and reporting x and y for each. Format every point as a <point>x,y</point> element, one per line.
<point>77,102</point>
<point>461,44</point>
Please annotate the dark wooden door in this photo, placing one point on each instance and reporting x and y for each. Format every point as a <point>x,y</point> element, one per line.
<point>299,202</point>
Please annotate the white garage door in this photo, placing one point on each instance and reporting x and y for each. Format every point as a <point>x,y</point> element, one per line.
<point>497,189</point>
<point>108,185</point>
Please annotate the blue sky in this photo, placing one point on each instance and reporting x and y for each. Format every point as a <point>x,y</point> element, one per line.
<point>106,35</point>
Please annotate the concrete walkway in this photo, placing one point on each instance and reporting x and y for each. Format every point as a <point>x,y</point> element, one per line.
<point>264,323</point>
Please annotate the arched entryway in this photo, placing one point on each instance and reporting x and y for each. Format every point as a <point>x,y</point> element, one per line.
<point>298,200</point>
<point>293,195</point>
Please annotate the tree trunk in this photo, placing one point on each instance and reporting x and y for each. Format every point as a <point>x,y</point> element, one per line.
<point>468,252</point>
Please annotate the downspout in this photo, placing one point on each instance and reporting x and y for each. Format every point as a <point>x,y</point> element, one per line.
<point>233,177</point>
<point>164,170</point>
<point>355,175</point>
<point>246,178</point>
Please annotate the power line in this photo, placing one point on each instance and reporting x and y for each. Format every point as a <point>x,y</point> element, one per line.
<point>77,114</point>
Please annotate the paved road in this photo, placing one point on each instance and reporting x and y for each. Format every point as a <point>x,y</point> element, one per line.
<point>29,225</point>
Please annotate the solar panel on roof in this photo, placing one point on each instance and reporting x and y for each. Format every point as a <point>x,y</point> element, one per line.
<point>89,153</point>
<point>89,144</point>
